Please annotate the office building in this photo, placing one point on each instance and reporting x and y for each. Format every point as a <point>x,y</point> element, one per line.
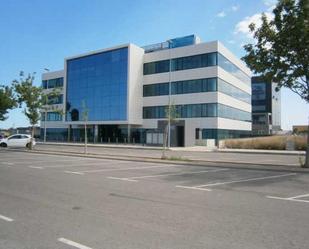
<point>266,107</point>
<point>123,93</point>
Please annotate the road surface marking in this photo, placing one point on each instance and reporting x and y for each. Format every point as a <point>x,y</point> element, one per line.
<point>194,188</point>
<point>293,198</point>
<point>72,243</point>
<point>122,179</point>
<point>36,167</point>
<point>73,172</point>
<point>75,165</point>
<point>6,218</point>
<point>7,163</point>
<point>123,169</point>
<point>174,174</point>
<point>245,180</point>
<point>299,196</point>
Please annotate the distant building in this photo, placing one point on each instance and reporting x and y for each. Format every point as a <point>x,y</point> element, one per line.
<point>266,107</point>
<point>127,89</point>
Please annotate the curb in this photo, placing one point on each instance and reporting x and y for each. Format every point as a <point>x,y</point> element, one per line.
<point>102,146</point>
<point>285,153</point>
<point>213,163</point>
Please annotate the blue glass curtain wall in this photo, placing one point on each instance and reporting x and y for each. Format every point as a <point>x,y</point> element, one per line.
<point>100,81</point>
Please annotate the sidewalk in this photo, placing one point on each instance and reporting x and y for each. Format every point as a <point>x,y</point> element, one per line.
<point>180,156</point>
<point>187,149</point>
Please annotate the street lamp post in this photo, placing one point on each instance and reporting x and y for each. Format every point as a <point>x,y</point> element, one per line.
<point>169,94</point>
<point>45,113</point>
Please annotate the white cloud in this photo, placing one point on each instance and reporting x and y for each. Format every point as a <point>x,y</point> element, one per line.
<point>231,41</point>
<point>221,14</point>
<point>270,3</point>
<point>235,8</point>
<point>242,27</point>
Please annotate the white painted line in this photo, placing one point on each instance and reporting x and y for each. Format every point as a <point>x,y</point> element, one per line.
<point>245,180</point>
<point>194,188</point>
<point>6,218</point>
<point>73,172</point>
<point>287,199</point>
<point>36,167</point>
<point>122,179</point>
<point>72,243</point>
<point>85,164</point>
<point>177,174</point>
<point>123,169</point>
<point>299,196</point>
<point>7,163</point>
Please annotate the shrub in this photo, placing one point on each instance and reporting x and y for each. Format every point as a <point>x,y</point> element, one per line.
<point>267,143</point>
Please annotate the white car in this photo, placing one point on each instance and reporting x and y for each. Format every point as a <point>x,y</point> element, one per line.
<point>17,140</point>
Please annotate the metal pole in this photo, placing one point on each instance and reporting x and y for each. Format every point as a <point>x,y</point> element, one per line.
<point>169,95</point>
<point>47,70</point>
<point>45,119</point>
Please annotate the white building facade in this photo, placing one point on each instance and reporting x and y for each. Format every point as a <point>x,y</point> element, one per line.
<point>127,89</point>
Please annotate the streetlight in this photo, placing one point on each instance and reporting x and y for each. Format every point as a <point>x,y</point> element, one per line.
<point>45,114</point>
<point>169,93</point>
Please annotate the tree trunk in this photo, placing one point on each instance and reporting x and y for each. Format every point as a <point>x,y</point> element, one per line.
<point>306,165</point>
<point>164,143</point>
<point>31,139</point>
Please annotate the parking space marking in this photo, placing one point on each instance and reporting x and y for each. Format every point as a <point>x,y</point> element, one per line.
<point>162,175</point>
<point>8,219</point>
<point>194,188</point>
<point>75,165</point>
<point>7,163</point>
<point>72,243</point>
<point>73,172</point>
<point>122,179</point>
<point>203,187</point>
<point>35,167</point>
<point>293,198</point>
<point>121,169</point>
<point>245,180</point>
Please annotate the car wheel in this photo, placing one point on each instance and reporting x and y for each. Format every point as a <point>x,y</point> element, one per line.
<point>28,145</point>
<point>3,145</point>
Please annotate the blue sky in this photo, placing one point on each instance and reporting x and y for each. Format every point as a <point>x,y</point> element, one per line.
<point>38,34</point>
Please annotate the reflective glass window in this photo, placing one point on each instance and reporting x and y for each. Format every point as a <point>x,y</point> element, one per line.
<point>100,82</point>
<point>233,69</point>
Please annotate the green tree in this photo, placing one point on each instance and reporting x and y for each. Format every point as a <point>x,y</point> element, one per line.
<point>7,101</point>
<point>48,106</point>
<point>281,49</point>
<point>31,98</point>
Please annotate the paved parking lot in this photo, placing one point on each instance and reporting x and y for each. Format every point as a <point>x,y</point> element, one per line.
<point>50,201</point>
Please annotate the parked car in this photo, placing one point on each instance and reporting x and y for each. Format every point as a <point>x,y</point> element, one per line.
<point>17,140</point>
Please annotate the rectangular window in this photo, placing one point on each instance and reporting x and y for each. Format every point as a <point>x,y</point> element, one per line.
<point>44,84</point>
<point>233,69</point>
<point>181,63</point>
<point>198,110</point>
<point>211,84</point>
<point>51,116</point>
<point>156,67</point>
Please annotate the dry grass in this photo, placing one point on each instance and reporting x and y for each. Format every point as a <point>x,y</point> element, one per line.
<point>267,143</point>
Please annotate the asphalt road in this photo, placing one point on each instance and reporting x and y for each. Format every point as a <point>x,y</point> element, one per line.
<point>63,202</point>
